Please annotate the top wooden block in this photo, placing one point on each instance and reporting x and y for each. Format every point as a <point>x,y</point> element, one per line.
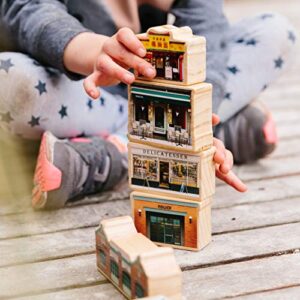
<point>177,54</point>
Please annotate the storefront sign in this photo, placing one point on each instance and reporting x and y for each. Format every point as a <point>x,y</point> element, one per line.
<point>164,207</point>
<point>165,154</point>
<point>162,42</point>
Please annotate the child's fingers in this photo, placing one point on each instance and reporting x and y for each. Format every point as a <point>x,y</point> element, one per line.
<point>227,165</point>
<point>130,60</point>
<point>232,180</point>
<point>109,68</point>
<point>90,85</point>
<point>220,154</point>
<point>215,119</point>
<point>127,37</point>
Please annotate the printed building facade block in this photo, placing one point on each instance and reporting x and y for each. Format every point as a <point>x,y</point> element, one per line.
<point>130,261</point>
<point>171,117</point>
<point>181,175</point>
<point>169,221</point>
<point>177,55</point>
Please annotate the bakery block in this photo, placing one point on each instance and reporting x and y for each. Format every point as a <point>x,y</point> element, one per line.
<point>172,222</point>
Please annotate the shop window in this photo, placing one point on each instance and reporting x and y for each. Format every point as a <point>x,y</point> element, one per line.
<point>179,118</point>
<point>139,291</point>
<point>164,228</point>
<point>102,256</point>
<point>184,174</point>
<point>126,280</point>
<point>114,269</point>
<point>144,168</point>
<point>141,111</point>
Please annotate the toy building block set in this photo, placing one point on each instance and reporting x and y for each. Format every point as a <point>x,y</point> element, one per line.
<point>171,169</point>
<point>131,261</point>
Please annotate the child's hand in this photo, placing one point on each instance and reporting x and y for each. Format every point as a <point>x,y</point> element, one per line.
<point>121,52</point>
<point>224,163</point>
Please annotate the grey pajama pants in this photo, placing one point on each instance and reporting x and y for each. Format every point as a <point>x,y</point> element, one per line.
<point>34,99</point>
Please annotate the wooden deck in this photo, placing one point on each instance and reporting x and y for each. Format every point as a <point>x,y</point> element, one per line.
<point>255,253</point>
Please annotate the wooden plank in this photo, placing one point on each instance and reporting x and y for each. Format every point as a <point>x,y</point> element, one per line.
<point>24,204</point>
<point>258,191</point>
<point>243,245</point>
<point>31,223</point>
<point>241,278</point>
<point>264,214</point>
<point>225,247</point>
<point>291,293</point>
<point>269,168</point>
<point>101,292</point>
<point>288,130</point>
<point>285,148</point>
<point>49,276</point>
<point>80,271</point>
<point>286,117</point>
<point>228,218</point>
<point>47,246</point>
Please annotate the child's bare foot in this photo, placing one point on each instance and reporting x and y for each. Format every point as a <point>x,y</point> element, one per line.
<point>250,134</point>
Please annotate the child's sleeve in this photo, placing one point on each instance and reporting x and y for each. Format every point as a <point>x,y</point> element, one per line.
<point>206,17</point>
<point>41,28</point>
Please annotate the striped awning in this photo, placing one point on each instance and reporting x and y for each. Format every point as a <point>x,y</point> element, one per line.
<point>160,94</point>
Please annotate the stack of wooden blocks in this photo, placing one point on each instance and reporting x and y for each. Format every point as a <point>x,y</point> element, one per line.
<point>171,169</point>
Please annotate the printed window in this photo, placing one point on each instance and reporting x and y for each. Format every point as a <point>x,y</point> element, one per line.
<point>139,291</point>
<point>126,279</point>
<point>114,268</point>
<point>141,111</point>
<point>102,257</point>
<point>144,168</point>
<point>184,173</point>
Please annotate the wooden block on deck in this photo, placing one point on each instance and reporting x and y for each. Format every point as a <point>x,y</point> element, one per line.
<point>130,261</point>
<point>189,176</point>
<point>177,55</point>
<point>170,116</point>
<point>172,222</point>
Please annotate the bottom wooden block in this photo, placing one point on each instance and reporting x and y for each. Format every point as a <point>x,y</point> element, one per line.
<point>130,261</point>
<point>181,224</point>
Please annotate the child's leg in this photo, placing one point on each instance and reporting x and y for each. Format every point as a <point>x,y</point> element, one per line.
<point>261,49</point>
<point>34,99</point>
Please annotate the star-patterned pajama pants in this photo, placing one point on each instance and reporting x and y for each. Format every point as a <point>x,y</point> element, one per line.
<point>34,99</point>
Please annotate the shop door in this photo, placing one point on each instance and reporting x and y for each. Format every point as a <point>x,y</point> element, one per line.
<point>160,119</point>
<point>165,228</point>
<point>164,174</point>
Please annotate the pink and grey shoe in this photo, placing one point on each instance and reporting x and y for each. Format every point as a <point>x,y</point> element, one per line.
<point>250,134</point>
<point>69,169</point>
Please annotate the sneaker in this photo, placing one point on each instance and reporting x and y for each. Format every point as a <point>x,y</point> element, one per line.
<point>69,169</point>
<point>250,134</point>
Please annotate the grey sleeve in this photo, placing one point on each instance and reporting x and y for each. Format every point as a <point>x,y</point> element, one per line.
<point>206,18</point>
<point>41,28</point>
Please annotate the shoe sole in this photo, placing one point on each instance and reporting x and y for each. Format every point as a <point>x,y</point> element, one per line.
<point>46,176</point>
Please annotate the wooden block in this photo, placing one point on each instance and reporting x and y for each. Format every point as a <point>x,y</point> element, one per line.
<point>172,222</point>
<point>130,261</point>
<point>177,55</point>
<point>167,172</point>
<point>171,117</point>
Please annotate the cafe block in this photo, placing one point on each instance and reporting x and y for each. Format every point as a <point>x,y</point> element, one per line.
<point>169,116</point>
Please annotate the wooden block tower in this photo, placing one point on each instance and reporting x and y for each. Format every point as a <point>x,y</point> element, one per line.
<point>171,168</point>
